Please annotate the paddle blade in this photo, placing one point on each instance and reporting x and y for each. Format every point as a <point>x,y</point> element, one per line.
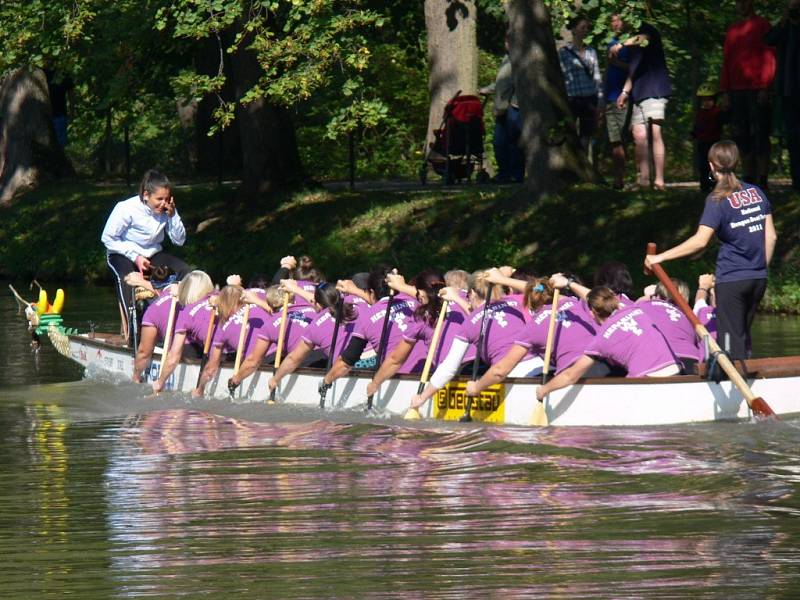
<point>271,397</point>
<point>539,417</point>
<point>412,414</point>
<point>761,409</point>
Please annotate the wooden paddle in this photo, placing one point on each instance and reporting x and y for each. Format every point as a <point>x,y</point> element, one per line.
<point>467,416</point>
<point>323,391</point>
<point>756,403</point>
<point>207,344</point>
<point>168,335</point>
<point>384,339</point>
<point>539,417</point>
<point>133,323</point>
<point>242,336</point>
<point>281,339</point>
<point>413,413</point>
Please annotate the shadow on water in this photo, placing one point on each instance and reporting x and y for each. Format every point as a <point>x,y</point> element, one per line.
<point>106,492</point>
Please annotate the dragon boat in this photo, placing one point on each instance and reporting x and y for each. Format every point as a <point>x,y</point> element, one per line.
<point>608,401</point>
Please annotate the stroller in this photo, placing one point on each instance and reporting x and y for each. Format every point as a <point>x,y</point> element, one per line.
<point>457,147</point>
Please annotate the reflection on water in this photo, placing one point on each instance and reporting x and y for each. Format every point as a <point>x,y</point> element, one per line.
<point>105,492</point>
<point>178,500</point>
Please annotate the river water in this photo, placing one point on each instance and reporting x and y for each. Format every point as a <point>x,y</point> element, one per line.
<point>105,493</point>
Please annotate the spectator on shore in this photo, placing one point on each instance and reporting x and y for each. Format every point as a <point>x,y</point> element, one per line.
<point>616,74</point>
<point>649,87</point>
<point>507,125</point>
<point>748,70</point>
<point>785,37</point>
<point>581,71</point>
<point>706,132</point>
<point>60,88</point>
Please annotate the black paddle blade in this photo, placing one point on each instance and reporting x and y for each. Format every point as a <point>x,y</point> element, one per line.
<point>369,402</point>
<point>467,416</point>
<point>272,396</point>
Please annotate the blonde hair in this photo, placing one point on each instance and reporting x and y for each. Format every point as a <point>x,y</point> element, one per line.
<point>538,292</point>
<point>229,301</point>
<point>478,283</point>
<point>457,279</point>
<point>274,297</point>
<point>724,156</point>
<point>603,301</point>
<point>193,287</point>
<point>663,293</point>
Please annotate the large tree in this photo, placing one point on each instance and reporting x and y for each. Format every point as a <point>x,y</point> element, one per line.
<point>552,152</point>
<point>452,53</point>
<point>28,148</point>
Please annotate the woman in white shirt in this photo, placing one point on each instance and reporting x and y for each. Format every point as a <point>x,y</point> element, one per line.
<point>134,232</point>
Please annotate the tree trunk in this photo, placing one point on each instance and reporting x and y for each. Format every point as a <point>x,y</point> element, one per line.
<point>452,54</point>
<point>28,148</point>
<point>270,158</point>
<point>553,156</point>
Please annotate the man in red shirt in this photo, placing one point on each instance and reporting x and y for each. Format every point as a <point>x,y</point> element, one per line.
<point>748,68</point>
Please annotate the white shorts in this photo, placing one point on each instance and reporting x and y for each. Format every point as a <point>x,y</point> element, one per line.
<point>649,108</point>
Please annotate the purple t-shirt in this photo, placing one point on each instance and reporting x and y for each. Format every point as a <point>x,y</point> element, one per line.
<point>676,328</point>
<point>575,330</point>
<point>504,326</point>
<point>320,333</point>
<point>157,314</point>
<point>420,330</point>
<point>193,321</point>
<point>300,318</point>
<point>629,339</point>
<point>308,286</point>
<point>738,220</point>
<point>226,335</point>
<point>369,326</point>
<point>708,317</point>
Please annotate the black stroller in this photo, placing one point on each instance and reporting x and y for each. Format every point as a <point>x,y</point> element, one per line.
<point>457,147</point>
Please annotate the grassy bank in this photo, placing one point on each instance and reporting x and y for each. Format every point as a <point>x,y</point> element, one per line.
<point>53,233</point>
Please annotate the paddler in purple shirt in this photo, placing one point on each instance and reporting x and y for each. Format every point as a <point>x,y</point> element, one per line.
<point>369,327</point>
<point>319,334</point>
<point>305,274</point>
<point>677,329</point>
<point>197,293</point>
<point>230,314</point>
<point>573,333</point>
<point>741,216</point>
<point>504,325</point>
<point>156,317</point>
<point>626,337</point>
<point>425,287</point>
<point>299,317</point>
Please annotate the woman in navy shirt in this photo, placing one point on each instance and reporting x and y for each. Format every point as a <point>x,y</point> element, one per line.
<point>741,216</point>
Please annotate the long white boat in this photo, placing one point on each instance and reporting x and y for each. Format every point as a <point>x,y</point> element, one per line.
<point>610,401</point>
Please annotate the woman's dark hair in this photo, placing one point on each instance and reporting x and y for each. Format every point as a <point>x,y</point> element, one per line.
<point>259,280</point>
<point>724,156</point>
<point>327,296</point>
<point>152,180</point>
<point>376,282</point>
<point>430,282</point>
<point>574,21</point>
<point>361,281</point>
<point>526,273</point>
<point>614,275</point>
<point>307,271</point>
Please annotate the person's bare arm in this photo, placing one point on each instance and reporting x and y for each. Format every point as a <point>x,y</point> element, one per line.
<point>289,364</point>
<point>498,371</point>
<point>173,358</point>
<point>390,366</point>
<point>771,238</point>
<point>210,371</point>
<point>567,377</point>
<point>147,343</point>
<point>693,245</point>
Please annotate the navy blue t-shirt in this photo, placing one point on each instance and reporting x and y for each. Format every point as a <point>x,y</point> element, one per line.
<point>649,67</point>
<point>738,220</point>
<point>616,76</point>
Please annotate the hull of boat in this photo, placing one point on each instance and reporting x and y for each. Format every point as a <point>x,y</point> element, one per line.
<point>598,402</point>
